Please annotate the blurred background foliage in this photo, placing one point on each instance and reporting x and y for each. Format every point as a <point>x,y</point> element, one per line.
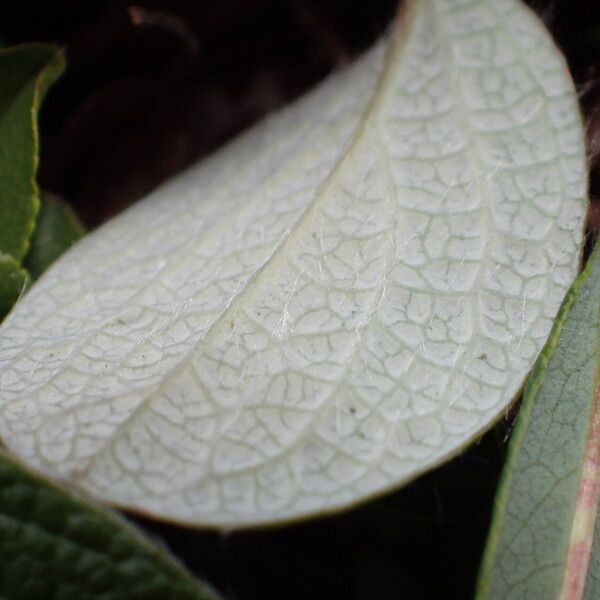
<point>154,85</point>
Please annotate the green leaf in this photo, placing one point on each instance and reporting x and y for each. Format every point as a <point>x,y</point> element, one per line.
<point>331,305</point>
<point>13,281</point>
<point>25,74</point>
<point>58,228</point>
<point>56,546</point>
<point>544,513</point>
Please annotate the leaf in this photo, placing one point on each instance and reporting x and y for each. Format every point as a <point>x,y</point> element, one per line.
<point>26,72</point>
<point>544,513</point>
<point>55,545</point>
<point>52,543</point>
<point>58,228</point>
<point>334,303</point>
<point>13,280</point>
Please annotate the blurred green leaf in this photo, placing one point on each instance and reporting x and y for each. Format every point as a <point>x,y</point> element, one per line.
<point>13,280</point>
<point>58,228</point>
<point>543,521</point>
<point>25,74</point>
<point>56,546</point>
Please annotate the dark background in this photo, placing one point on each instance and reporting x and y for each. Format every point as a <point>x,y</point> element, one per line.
<point>154,85</point>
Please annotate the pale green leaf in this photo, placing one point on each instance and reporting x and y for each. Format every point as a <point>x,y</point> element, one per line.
<point>331,305</point>
<point>54,545</point>
<point>544,512</point>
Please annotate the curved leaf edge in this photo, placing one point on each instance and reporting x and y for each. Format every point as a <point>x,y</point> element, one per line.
<point>530,391</point>
<point>12,469</point>
<point>399,23</point>
<point>311,514</point>
<point>44,78</point>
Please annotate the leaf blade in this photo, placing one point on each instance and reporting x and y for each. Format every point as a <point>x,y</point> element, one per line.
<point>541,531</point>
<point>402,244</point>
<point>54,545</point>
<point>26,73</point>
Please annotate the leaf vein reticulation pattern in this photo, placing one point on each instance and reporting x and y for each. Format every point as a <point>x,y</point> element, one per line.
<point>335,302</point>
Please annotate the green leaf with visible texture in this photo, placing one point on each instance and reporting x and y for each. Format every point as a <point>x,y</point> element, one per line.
<point>58,228</point>
<point>56,546</point>
<point>543,522</point>
<point>25,74</point>
<point>13,280</point>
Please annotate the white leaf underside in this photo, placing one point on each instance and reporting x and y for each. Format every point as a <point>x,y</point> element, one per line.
<point>335,302</point>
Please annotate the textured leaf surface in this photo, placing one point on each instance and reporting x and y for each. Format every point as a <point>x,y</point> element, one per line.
<point>25,74</point>
<point>58,228</point>
<point>55,546</point>
<point>543,524</point>
<point>335,302</point>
